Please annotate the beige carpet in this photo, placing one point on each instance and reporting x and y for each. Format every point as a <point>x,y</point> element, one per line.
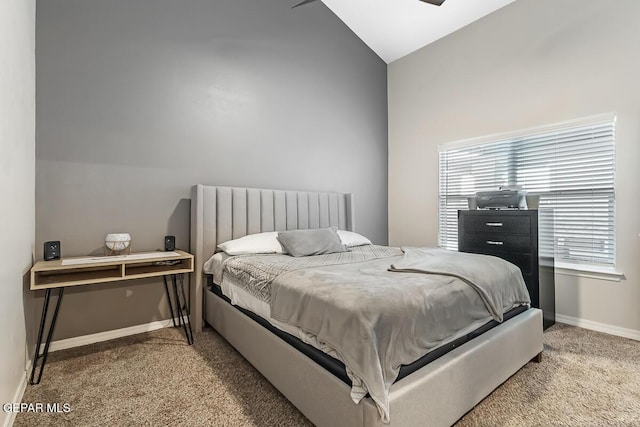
<point>586,379</point>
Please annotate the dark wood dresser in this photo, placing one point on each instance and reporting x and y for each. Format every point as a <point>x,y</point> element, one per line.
<point>513,235</point>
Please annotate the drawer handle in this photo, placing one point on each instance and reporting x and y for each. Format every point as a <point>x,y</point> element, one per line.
<point>493,224</point>
<point>492,242</point>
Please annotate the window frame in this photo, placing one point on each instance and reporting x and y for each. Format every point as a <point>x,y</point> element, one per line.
<point>585,268</point>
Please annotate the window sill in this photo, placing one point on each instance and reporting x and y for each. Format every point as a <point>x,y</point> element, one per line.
<point>592,272</point>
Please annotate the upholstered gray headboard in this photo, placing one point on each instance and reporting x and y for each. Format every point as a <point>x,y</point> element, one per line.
<point>219,214</point>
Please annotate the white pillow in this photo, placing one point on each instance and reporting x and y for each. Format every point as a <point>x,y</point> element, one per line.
<point>350,238</point>
<point>260,243</point>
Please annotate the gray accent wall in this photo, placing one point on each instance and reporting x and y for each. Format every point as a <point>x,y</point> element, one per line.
<point>139,100</point>
<point>532,63</point>
<point>17,186</point>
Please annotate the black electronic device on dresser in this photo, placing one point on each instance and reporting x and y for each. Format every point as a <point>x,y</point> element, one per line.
<point>513,235</point>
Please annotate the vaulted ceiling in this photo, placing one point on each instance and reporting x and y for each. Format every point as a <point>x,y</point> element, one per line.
<point>395,28</point>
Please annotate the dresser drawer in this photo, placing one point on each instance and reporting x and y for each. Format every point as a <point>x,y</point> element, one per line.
<point>497,224</point>
<point>496,243</point>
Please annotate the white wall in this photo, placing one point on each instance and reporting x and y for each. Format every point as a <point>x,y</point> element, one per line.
<point>532,63</point>
<point>17,189</point>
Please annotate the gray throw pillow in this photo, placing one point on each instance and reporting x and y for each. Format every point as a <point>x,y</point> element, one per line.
<point>311,242</point>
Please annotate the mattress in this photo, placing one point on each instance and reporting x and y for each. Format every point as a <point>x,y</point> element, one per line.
<point>331,301</point>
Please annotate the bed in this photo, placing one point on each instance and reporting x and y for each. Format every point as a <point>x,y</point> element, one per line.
<point>438,393</point>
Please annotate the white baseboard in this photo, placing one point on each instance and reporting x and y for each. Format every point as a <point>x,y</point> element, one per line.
<point>10,417</point>
<point>107,335</point>
<point>600,327</point>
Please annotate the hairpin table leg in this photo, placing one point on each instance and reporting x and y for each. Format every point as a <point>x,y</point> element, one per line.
<point>185,306</point>
<point>177,281</point>
<point>166,288</point>
<point>37,355</point>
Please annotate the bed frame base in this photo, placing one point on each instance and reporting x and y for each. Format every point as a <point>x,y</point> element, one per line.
<point>435,395</point>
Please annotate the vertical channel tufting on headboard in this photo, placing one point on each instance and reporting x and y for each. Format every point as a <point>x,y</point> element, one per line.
<point>219,214</point>
<point>303,210</point>
<point>254,224</point>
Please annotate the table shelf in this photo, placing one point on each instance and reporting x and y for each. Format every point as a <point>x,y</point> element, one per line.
<point>54,278</point>
<point>54,274</point>
<point>151,269</point>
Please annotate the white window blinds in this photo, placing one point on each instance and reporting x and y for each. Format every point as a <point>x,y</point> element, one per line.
<point>570,166</point>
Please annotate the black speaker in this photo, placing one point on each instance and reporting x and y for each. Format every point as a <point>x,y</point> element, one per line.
<point>169,243</point>
<point>51,250</point>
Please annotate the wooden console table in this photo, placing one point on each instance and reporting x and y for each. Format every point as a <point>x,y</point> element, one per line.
<point>59,274</point>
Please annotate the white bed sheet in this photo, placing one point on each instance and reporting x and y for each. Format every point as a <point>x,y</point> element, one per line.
<point>241,298</point>
<point>215,266</point>
<point>244,299</point>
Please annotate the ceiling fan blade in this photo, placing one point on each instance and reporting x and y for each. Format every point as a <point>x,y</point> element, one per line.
<point>302,3</point>
<point>433,2</point>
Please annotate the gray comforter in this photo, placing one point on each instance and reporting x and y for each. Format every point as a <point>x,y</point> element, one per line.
<point>377,315</point>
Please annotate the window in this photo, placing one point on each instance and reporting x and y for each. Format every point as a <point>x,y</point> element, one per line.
<point>570,166</point>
